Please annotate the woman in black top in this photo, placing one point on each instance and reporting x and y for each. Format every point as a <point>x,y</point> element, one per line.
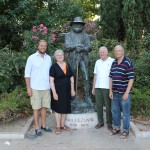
<point>62,86</point>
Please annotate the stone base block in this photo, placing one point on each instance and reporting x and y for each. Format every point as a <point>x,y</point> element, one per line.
<point>80,121</point>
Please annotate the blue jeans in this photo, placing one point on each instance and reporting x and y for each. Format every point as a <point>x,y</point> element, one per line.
<point>118,105</point>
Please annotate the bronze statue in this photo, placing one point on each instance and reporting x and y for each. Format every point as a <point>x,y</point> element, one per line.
<point>78,45</point>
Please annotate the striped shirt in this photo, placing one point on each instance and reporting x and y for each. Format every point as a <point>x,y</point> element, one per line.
<point>121,74</point>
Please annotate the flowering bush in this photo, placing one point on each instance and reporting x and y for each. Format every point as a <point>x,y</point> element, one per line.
<point>41,30</point>
<point>32,37</point>
<point>92,28</point>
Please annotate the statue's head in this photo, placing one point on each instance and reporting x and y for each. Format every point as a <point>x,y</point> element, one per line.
<point>77,24</point>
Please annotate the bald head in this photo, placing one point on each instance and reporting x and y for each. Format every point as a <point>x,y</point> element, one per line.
<point>119,51</point>
<point>119,47</point>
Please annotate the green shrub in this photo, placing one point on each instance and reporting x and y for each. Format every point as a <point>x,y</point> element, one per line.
<point>11,69</point>
<point>142,70</point>
<point>140,101</point>
<point>17,102</point>
<point>142,67</point>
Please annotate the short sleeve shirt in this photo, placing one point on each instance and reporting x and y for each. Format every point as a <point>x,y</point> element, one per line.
<point>102,70</point>
<point>121,74</point>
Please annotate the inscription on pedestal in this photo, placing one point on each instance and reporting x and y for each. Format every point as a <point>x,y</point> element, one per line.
<point>79,121</point>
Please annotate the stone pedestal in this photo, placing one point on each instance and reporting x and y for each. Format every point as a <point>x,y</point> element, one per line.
<point>80,121</point>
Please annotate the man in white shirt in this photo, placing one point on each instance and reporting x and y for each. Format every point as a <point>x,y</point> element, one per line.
<point>38,85</point>
<point>101,87</point>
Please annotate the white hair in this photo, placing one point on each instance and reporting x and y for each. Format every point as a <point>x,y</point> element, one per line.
<point>58,51</point>
<point>105,48</point>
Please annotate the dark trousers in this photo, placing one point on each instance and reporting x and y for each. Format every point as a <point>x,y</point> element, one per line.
<point>102,97</point>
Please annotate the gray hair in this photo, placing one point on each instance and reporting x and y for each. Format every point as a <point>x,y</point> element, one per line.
<point>58,51</point>
<point>104,47</point>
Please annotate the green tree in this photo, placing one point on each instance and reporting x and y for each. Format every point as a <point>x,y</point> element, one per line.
<point>132,16</point>
<point>19,15</point>
<point>142,67</point>
<point>146,16</point>
<point>126,20</point>
<point>90,7</point>
<point>62,11</point>
<point>111,19</point>
<point>16,15</point>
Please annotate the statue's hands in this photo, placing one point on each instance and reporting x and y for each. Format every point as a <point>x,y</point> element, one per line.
<point>80,48</point>
<point>70,49</point>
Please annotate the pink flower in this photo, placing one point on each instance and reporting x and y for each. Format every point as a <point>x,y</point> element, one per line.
<point>34,27</point>
<point>45,28</point>
<point>45,32</point>
<point>53,37</point>
<point>41,25</point>
<point>34,30</point>
<point>35,37</point>
<point>91,24</point>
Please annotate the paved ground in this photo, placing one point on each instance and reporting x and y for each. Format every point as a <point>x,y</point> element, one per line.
<point>15,126</point>
<point>85,139</point>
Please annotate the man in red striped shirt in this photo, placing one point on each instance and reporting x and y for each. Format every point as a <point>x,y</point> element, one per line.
<point>121,81</point>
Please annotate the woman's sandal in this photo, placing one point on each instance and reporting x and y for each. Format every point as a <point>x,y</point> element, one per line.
<point>57,130</point>
<point>115,131</point>
<point>65,128</point>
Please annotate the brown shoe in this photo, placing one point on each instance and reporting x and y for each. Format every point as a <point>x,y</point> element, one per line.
<point>109,127</point>
<point>99,126</point>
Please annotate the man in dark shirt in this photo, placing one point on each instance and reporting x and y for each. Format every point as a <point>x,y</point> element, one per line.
<point>121,81</point>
